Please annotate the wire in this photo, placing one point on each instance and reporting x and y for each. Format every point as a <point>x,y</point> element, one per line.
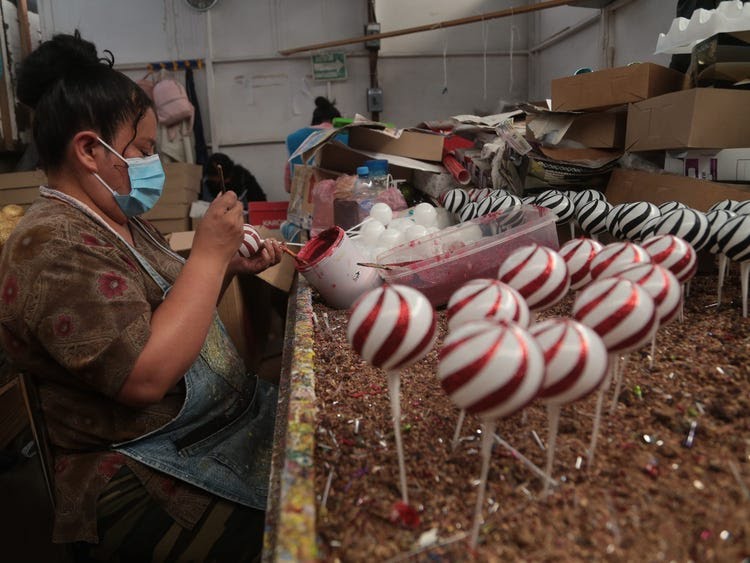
<point>445,64</point>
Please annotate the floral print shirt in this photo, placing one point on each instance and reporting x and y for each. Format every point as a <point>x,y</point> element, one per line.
<point>75,312</point>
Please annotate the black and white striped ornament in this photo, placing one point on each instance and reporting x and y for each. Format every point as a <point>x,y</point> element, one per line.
<point>592,217</point>
<point>742,208</point>
<point>733,239</point>
<point>669,206</point>
<point>585,196</point>
<point>649,228</point>
<point>725,204</point>
<point>688,224</point>
<point>716,220</point>
<point>559,204</point>
<point>529,199</point>
<point>613,216</point>
<point>485,206</point>
<point>478,194</point>
<point>506,202</point>
<point>468,212</point>
<point>634,217</point>
<point>455,199</point>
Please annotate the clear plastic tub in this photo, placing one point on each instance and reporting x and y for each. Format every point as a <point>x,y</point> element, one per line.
<point>440,263</point>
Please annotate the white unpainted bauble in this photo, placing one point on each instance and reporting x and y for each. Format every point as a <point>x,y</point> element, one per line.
<point>382,212</point>
<point>390,238</point>
<point>414,232</point>
<point>425,215</point>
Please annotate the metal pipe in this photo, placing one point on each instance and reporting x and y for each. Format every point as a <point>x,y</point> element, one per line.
<point>211,84</point>
<point>564,34</point>
<point>430,27</point>
<point>240,60</point>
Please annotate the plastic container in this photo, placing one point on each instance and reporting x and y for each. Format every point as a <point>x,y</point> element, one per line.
<point>269,214</point>
<point>438,264</point>
<point>329,262</point>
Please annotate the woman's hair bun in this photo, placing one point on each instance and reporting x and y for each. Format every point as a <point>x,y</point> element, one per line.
<point>62,56</point>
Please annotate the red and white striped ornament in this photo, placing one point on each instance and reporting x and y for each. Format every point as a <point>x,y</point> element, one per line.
<point>615,257</point>
<point>578,254</point>
<point>575,358</point>
<point>619,311</point>
<point>484,299</point>
<point>538,274</point>
<point>251,241</point>
<point>661,285</point>
<point>392,327</point>
<point>491,369</point>
<point>674,254</point>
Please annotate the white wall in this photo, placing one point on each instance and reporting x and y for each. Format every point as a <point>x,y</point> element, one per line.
<point>633,30</point>
<point>260,97</point>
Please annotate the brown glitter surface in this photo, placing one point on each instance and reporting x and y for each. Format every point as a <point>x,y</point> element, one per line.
<point>647,497</point>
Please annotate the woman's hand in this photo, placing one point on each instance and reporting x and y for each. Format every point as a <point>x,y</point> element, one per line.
<point>267,256</point>
<point>220,232</point>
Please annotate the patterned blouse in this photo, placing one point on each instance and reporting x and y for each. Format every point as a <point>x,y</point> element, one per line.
<point>75,312</point>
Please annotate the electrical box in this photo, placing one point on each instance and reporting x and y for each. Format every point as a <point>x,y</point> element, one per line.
<point>372,29</point>
<point>374,99</point>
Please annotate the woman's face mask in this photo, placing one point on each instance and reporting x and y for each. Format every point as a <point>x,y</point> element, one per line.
<point>146,183</point>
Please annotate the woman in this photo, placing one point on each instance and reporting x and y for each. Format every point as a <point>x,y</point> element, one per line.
<point>161,443</point>
<point>236,178</point>
<point>323,115</point>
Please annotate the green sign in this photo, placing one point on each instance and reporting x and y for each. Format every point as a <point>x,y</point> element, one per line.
<point>329,66</point>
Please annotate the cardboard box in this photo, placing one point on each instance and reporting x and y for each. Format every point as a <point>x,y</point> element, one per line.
<point>634,185</point>
<point>279,276</point>
<point>701,118</point>
<point>233,314</point>
<point>166,210</point>
<point>166,226</point>
<point>613,87</point>
<point>727,165</point>
<point>601,130</point>
<point>597,130</point>
<point>183,183</point>
<point>340,158</point>
<point>411,144</point>
<point>21,188</point>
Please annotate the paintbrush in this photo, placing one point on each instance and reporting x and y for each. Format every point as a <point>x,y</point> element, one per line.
<point>373,265</point>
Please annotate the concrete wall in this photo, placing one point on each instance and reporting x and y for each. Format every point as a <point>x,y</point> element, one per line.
<point>260,97</point>
<point>623,35</point>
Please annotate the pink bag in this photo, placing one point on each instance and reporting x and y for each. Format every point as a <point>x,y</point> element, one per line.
<point>172,103</point>
<point>147,84</point>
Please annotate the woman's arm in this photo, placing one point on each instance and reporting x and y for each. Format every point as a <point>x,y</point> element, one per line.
<point>180,324</point>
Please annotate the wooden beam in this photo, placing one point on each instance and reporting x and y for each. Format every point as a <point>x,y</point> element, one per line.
<point>24,28</point>
<point>430,27</point>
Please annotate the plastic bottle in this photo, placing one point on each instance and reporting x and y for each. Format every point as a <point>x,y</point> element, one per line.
<point>354,209</point>
<point>378,174</point>
<point>364,192</point>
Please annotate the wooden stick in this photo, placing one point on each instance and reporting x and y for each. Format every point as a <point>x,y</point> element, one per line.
<point>373,265</point>
<point>221,178</point>
<point>429,27</point>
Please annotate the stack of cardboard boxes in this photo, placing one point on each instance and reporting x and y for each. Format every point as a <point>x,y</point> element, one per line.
<point>170,214</point>
<point>182,187</point>
<point>695,133</point>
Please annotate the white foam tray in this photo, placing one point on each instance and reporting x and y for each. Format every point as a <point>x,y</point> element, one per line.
<point>684,33</point>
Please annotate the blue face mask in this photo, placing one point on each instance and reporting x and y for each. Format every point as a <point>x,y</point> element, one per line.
<point>146,183</point>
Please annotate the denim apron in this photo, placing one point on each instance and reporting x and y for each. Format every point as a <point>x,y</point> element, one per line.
<point>222,438</point>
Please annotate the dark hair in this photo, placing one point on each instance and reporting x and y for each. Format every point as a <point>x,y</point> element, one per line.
<point>236,178</point>
<point>70,88</point>
<point>325,111</point>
